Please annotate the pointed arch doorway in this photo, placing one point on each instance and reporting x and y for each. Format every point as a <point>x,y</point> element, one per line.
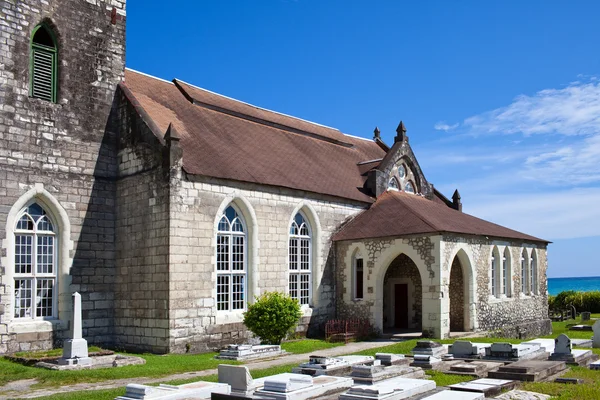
<point>402,296</point>
<point>460,294</point>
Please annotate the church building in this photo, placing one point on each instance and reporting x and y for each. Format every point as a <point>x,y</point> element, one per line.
<point>169,208</point>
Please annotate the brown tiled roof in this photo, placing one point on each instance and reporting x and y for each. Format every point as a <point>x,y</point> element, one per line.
<point>228,139</point>
<point>400,214</point>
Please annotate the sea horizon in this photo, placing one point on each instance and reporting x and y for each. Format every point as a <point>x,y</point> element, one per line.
<point>577,283</point>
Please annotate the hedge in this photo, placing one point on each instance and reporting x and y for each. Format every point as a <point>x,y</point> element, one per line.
<point>583,301</point>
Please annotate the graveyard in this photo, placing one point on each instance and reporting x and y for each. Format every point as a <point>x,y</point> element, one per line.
<point>563,365</point>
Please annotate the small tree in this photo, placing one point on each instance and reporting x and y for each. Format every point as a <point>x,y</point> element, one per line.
<point>272,316</point>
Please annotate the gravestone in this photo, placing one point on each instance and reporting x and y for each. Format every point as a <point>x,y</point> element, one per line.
<point>332,366</point>
<point>75,350</point>
<point>546,344</point>
<point>467,349</point>
<point>580,328</point>
<point>238,377</point>
<point>370,374</point>
<point>450,395</point>
<point>489,387</point>
<point>430,348</point>
<point>514,352</point>
<point>425,361</point>
<point>477,368</point>
<point>389,359</point>
<point>390,389</point>
<point>595,365</point>
<point>586,316</point>
<point>195,390</point>
<point>243,352</point>
<point>528,370</point>
<point>596,338</point>
<point>563,351</point>
<point>300,387</point>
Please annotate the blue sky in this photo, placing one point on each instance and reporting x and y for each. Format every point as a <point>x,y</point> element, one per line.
<point>501,99</point>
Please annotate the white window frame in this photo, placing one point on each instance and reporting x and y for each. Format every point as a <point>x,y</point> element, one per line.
<point>297,272</point>
<point>230,273</point>
<point>507,273</point>
<point>494,274</point>
<point>524,273</point>
<point>34,276</point>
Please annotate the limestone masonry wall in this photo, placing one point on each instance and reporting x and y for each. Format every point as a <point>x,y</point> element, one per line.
<point>268,213</point>
<point>69,149</point>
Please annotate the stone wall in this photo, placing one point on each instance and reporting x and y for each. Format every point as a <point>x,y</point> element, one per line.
<point>142,230</point>
<point>67,150</point>
<point>457,297</point>
<point>526,315</point>
<point>268,212</point>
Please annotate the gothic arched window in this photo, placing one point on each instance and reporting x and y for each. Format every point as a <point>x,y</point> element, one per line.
<point>231,261</point>
<point>35,264</point>
<point>43,74</point>
<point>300,263</point>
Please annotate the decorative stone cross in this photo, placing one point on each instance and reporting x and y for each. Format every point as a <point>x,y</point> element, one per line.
<point>75,350</point>
<point>596,338</point>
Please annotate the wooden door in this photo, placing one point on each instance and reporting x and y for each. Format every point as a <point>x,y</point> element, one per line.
<point>401,306</point>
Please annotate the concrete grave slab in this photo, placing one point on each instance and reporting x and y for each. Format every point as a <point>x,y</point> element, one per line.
<point>425,361</point>
<point>370,374</point>
<point>242,352</point>
<point>490,387</point>
<point>391,389</point>
<point>514,352</point>
<point>522,395</point>
<point>453,395</point>
<point>546,344</point>
<point>467,349</point>
<point>332,366</point>
<point>296,386</point>
<point>472,368</point>
<point>196,390</point>
<point>528,370</point>
<point>388,359</point>
<point>580,328</point>
<point>595,365</point>
<point>238,377</point>
<point>430,348</point>
<point>581,342</point>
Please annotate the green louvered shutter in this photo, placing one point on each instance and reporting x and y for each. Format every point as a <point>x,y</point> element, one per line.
<point>43,80</point>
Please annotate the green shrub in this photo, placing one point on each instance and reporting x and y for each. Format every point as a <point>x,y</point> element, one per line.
<point>272,316</point>
<point>582,301</point>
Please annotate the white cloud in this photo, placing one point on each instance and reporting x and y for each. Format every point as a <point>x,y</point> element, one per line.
<point>443,126</point>
<point>573,110</point>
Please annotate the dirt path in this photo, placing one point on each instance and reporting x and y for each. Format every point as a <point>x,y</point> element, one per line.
<point>21,389</point>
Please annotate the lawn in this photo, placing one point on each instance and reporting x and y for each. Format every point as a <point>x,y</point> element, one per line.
<point>158,366</point>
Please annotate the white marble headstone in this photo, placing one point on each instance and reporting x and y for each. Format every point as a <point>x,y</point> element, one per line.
<point>236,376</point>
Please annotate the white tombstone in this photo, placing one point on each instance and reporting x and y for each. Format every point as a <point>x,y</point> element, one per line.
<point>75,350</point>
<point>596,338</point>
<point>238,377</point>
<point>562,344</point>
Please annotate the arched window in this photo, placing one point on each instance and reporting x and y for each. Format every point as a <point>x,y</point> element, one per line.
<point>231,261</point>
<point>496,273</point>
<point>533,273</point>
<point>506,273</point>
<point>300,263</point>
<point>43,74</point>
<point>524,274</point>
<point>35,265</point>
<point>358,275</point>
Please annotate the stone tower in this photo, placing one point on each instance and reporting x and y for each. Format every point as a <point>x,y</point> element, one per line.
<point>60,64</point>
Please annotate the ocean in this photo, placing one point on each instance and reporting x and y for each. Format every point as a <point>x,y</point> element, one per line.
<point>582,284</point>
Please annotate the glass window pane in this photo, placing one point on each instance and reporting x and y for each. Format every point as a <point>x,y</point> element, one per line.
<point>304,288</point>
<point>222,292</point>
<point>45,255</point>
<point>293,286</point>
<point>293,254</point>
<point>23,254</point>
<point>44,297</point>
<point>237,253</point>
<point>222,253</point>
<point>237,292</point>
<point>305,254</point>
<point>25,222</point>
<point>23,300</point>
<point>45,225</point>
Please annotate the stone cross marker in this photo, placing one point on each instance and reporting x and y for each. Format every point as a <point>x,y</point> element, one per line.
<point>596,338</point>
<point>75,350</point>
<point>562,344</point>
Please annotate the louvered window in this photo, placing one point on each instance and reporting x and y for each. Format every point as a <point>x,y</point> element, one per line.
<point>43,79</point>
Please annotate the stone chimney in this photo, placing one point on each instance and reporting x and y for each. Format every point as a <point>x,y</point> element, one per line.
<point>456,203</point>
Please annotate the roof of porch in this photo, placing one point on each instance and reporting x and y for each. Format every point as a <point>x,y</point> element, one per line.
<point>401,214</point>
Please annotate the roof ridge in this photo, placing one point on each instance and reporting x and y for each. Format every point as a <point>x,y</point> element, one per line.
<point>148,75</point>
<point>415,212</point>
<point>260,108</point>
<point>257,119</point>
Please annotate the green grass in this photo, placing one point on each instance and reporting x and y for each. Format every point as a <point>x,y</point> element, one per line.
<point>308,345</point>
<point>563,327</point>
<point>442,379</point>
<point>156,366</point>
<point>50,353</point>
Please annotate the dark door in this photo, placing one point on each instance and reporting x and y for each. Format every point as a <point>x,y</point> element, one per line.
<point>401,306</point>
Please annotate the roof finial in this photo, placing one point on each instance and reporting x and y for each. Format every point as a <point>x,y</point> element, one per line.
<point>401,133</point>
<point>377,133</point>
<point>456,203</point>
